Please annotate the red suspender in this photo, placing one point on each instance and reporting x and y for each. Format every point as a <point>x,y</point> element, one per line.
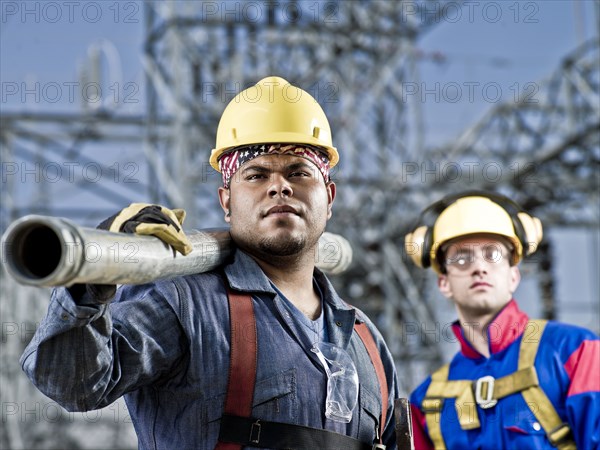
<point>367,338</point>
<point>242,360</point>
<point>243,355</point>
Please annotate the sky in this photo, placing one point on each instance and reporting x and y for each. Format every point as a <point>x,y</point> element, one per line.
<point>46,45</point>
<point>482,54</point>
<point>494,50</point>
<point>507,42</point>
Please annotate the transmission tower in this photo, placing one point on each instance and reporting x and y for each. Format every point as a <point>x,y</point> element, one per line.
<point>354,57</point>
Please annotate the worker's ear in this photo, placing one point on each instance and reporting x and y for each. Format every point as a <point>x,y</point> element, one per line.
<point>515,279</point>
<point>444,286</point>
<point>331,191</point>
<point>224,200</point>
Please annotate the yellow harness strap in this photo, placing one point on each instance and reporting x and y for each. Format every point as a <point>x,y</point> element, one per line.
<point>486,392</point>
<point>557,431</point>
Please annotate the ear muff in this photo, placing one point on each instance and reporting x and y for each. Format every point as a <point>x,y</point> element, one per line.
<point>533,231</point>
<point>418,243</point>
<point>414,242</point>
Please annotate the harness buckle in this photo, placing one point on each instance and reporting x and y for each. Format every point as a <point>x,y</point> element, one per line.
<point>485,401</point>
<point>255,432</point>
<point>558,434</point>
<point>432,404</point>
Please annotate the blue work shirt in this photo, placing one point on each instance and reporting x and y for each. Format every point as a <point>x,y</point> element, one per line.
<point>165,347</point>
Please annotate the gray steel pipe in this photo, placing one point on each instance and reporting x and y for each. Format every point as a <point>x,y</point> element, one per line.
<point>53,251</point>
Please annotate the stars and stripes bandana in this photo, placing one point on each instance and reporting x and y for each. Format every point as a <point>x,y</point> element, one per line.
<point>230,162</point>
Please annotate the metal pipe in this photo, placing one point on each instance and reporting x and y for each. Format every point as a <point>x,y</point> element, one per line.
<point>53,251</point>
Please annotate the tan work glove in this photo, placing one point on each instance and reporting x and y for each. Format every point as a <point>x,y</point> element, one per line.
<point>144,219</point>
<point>155,220</point>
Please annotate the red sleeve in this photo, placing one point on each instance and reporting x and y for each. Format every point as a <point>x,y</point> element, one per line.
<point>583,367</point>
<point>420,437</point>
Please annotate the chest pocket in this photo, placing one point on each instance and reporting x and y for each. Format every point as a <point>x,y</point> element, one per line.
<point>522,430</point>
<point>275,398</point>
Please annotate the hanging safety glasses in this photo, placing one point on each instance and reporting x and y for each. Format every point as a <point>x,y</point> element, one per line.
<point>342,381</point>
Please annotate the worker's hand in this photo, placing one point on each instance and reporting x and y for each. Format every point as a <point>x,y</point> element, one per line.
<point>144,219</point>
<point>155,220</point>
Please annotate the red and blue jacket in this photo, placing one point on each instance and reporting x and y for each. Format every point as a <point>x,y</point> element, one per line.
<point>568,367</point>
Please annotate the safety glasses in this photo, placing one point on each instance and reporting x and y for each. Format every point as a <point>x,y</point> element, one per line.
<point>342,381</point>
<point>462,259</point>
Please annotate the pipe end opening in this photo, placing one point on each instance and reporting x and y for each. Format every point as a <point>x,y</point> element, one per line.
<point>35,251</point>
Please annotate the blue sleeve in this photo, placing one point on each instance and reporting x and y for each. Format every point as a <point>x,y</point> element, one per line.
<point>85,356</point>
<point>583,411</point>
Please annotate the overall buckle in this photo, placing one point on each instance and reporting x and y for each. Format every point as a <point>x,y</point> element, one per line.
<point>255,432</point>
<point>488,401</point>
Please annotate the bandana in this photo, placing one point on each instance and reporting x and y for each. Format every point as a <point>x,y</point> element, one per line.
<point>230,162</point>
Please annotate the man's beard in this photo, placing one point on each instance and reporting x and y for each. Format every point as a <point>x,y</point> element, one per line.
<point>282,246</point>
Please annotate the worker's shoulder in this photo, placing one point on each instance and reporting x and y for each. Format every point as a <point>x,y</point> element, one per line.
<point>563,330</point>
<point>564,337</point>
<point>361,316</point>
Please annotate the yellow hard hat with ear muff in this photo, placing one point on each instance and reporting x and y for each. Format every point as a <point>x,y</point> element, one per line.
<point>470,213</point>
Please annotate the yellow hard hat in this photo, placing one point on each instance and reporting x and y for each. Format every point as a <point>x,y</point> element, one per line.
<point>473,214</point>
<point>273,111</point>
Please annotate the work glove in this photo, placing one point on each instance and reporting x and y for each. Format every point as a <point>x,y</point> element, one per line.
<point>155,220</point>
<point>141,219</point>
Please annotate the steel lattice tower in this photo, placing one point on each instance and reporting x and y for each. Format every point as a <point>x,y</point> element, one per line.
<point>353,57</point>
